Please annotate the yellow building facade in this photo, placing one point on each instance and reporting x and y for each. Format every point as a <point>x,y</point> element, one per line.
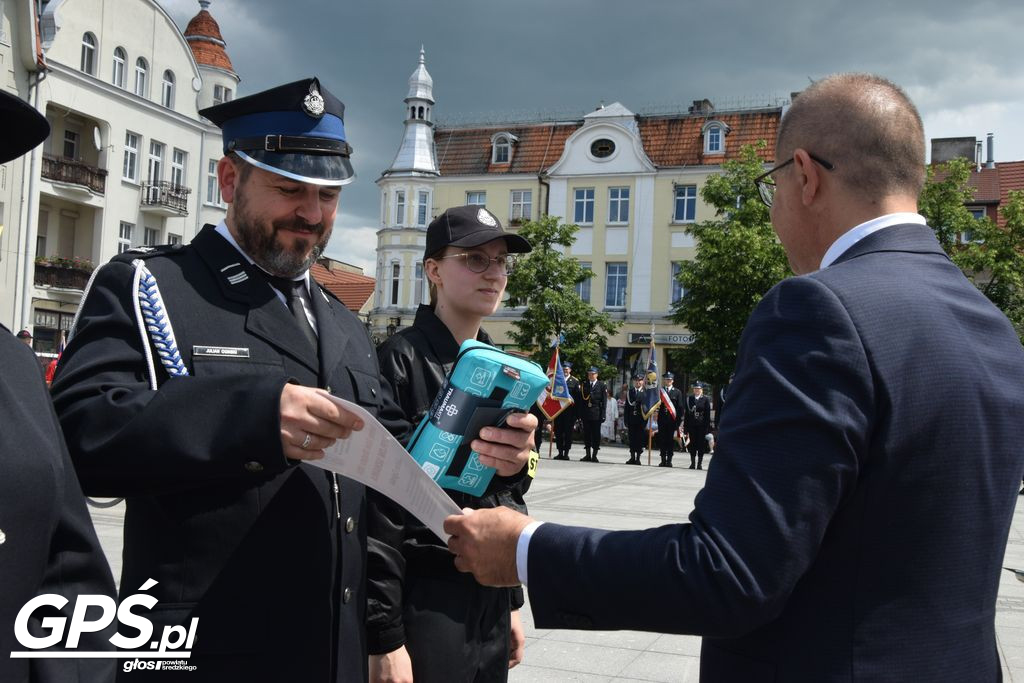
<point>630,182</point>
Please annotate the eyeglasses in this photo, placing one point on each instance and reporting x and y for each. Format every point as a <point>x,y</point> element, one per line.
<point>479,263</point>
<point>766,186</point>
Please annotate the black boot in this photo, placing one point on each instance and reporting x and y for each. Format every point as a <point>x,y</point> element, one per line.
<point>700,462</point>
<point>692,463</point>
<point>586,458</point>
<point>593,458</point>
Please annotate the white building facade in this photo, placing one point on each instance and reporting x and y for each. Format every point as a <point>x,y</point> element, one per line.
<point>129,161</point>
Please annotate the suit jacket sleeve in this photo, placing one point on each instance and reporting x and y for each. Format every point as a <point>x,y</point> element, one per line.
<point>127,439</point>
<point>803,406</point>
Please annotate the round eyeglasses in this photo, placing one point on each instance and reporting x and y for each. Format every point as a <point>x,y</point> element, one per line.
<point>479,263</point>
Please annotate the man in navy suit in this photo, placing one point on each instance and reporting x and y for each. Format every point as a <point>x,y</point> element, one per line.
<point>838,537</point>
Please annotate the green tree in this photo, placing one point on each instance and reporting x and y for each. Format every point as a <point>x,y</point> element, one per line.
<point>738,260</point>
<point>544,281</point>
<point>990,255</point>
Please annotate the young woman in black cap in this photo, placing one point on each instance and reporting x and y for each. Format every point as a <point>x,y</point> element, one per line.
<point>426,621</point>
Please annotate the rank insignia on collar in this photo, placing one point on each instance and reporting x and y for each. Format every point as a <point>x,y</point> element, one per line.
<point>313,104</point>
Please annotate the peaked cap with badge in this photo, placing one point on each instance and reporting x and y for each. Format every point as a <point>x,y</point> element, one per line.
<point>24,127</point>
<point>296,130</point>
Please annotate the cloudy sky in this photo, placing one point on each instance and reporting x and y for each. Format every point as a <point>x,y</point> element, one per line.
<point>959,61</point>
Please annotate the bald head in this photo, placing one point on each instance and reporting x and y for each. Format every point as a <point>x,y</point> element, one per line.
<point>866,126</point>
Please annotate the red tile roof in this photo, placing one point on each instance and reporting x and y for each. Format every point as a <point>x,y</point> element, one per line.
<point>203,36</point>
<point>353,289</point>
<point>467,151</point>
<point>1011,177</point>
<point>670,140</point>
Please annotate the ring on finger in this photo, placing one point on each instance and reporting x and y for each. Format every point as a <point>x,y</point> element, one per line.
<point>305,442</point>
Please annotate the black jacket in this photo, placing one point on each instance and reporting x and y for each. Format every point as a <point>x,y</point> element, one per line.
<point>259,548</point>
<point>47,541</point>
<point>593,401</point>
<point>698,416</point>
<point>414,363</point>
<point>678,404</point>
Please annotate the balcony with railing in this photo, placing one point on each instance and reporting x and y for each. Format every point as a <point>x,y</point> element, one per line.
<point>74,173</point>
<point>62,273</point>
<point>164,198</point>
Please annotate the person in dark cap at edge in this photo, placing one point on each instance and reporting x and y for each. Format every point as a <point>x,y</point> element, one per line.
<point>47,541</point>
<point>24,335</point>
<point>426,621</point>
<point>670,416</point>
<point>697,425</point>
<point>636,423</point>
<point>593,401</point>
<point>204,414</point>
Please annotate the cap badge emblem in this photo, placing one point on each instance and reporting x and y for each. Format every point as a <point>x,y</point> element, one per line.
<point>484,217</point>
<point>313,104</point>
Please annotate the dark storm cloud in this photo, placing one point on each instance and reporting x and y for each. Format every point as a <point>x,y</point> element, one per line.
<point>959,62</point>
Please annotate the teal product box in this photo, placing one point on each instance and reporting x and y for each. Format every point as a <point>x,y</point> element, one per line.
<point>484,385</point>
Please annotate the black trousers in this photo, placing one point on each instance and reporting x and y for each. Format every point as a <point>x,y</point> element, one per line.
<point>698,446</point>
<point>666,438</point>
<point>592,435</point>
<point>563,430</point>
<point>456,631</point>
<point>637,435</point>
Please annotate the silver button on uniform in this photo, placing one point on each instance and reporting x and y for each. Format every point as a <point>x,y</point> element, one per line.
<point>346,595</point>
<point>254,467</point>
<point>350,524</point>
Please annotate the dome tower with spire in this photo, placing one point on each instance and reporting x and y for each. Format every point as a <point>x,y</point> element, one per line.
<point>407,195</point>
<point>220,82</point>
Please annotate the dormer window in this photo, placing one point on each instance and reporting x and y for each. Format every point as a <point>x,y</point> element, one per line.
<point>501,148</point>
<point>714,137</point>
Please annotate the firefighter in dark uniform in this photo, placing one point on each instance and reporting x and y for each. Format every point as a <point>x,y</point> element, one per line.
<point>47,541</point>
<point>564,423</point>
<point>697,424</point>
<point>636,424</point>
<point>593,401</point>
<point>195,386</point>
<point>669,420</point>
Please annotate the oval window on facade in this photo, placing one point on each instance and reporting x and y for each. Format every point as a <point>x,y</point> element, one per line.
<point>602,148</point>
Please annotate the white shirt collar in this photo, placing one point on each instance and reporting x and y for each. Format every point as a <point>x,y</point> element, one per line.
<point>859,232</point>
<point>222,230</point>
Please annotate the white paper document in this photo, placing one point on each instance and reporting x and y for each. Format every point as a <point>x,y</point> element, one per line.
<point>373,457</point>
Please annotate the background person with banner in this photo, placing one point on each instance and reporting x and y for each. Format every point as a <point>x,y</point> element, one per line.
<point>557,404</point>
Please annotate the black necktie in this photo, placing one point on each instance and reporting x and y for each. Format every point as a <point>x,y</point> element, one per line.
<point>291,289</point>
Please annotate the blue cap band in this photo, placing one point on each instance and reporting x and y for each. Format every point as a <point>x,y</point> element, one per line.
<point>282,123</point>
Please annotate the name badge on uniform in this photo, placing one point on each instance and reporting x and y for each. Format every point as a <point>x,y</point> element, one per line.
<point>220,351</point>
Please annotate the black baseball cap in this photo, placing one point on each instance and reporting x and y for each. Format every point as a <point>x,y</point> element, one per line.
<point>24,127</point>
<point>469,226</point>
<point>24,334</point>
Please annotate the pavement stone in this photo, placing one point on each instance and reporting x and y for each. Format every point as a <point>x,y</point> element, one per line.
<point>612,495</point>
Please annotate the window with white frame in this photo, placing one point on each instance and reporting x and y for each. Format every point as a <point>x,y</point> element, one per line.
<point>583,209</point>
<point>117,73</point>
<point>583,288</point>
<point>150,237</point>
<point>522,205</point>
<point>178,165</point>
<point>615,285</point>
<point>618,204</point>
<point>476,198</point>
<point>501,150</point>
<point>88,62</point>
<point>399,207</point>
<point>156,161</point>
<point>418,285</point>
<point>70,144</point>
<point>173,239</point>
<point>685,204</point>
<point>221,94</point>
<point>422,207</point>
<point>396,274</point>
<point>714,139</point>
<point>167,90</point>
<point>124,237</point>
<point>678,291</point>
<point>141,74</point>
<point>967,236</point>
<point>212,186</point>
<point>130,171</point>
